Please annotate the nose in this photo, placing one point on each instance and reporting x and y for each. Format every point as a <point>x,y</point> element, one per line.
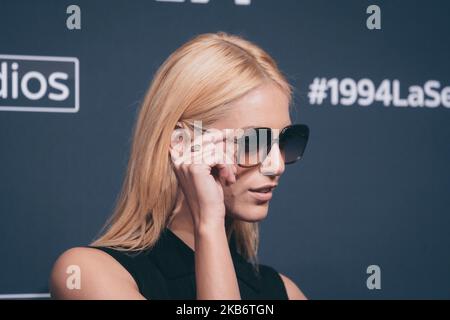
<point>273,164</point>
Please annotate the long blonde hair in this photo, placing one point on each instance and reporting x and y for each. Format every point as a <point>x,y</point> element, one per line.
<point>198,81</point>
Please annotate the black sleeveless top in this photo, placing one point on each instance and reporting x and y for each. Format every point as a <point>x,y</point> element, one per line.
<point>167,271</point>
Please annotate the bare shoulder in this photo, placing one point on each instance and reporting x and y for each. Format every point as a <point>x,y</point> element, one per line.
<point>293,291</point>
<point>89,273</point>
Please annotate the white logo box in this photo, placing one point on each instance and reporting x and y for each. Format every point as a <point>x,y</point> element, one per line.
<point>76,90</point>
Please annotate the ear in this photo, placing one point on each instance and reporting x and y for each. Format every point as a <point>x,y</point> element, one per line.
<point>180,136</point>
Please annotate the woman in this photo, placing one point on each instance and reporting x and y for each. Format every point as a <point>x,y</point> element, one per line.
<point>189,229</point>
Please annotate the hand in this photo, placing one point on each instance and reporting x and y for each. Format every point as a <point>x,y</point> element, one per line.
<point>202,174</point>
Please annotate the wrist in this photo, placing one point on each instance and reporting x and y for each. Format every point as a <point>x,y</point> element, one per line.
<point>212,227</point>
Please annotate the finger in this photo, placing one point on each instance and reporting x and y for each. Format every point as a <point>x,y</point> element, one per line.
<point>210,150</point>
<point>233,170</point>
<point>215,157</point>
<point>226,168</point>
<point>225,136</point>
<point>207,159</point>
<point>225,162</point>
<point>184,153</point>
<point>176,156</point>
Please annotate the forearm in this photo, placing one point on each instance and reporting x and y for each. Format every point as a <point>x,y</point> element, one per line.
<point>214,269</point>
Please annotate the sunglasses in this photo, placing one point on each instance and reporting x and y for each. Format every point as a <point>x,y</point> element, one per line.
<point>254,144</point>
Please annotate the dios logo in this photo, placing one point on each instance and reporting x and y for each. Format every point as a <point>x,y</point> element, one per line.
<point>39,83</point>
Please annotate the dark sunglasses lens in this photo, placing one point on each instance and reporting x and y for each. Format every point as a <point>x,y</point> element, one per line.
<point>293,142</point>
<point>253,146</point>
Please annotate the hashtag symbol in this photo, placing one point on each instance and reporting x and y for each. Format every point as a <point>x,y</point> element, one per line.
<point>317,91</point>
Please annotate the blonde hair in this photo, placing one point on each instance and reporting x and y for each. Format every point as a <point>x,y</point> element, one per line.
<point>198,81</point>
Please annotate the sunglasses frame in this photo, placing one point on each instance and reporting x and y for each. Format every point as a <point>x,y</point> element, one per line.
<point>305,133</point>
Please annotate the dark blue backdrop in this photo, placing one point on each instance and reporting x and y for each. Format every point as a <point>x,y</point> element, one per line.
<point>372,189</point>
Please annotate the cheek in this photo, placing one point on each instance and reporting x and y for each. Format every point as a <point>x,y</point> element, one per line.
<point>233,192</point>
<point>237,191</point>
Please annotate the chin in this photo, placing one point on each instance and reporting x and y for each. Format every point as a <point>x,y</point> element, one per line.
<point>250,212</point>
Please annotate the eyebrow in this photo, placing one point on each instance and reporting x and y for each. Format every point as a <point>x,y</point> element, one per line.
<point>249,127</point>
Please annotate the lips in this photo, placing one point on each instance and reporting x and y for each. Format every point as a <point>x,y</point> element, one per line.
<point>263,193</point>
<point>264,189</point>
